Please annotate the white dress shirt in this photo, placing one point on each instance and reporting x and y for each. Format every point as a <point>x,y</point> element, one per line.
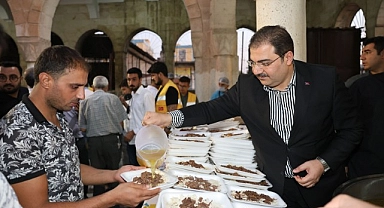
<point>141,102</point>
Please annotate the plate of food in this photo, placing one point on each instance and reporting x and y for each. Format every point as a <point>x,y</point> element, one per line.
<point>263,184</point>
<point>198,181</point>
<point>191,165</point>
<point>144,176</point>
<point>236,176</point>
<point>190,142</point>
<point>186,135</point>
<point>176,198</point>
<point>229,168</point>
<point>255,196</point>
<point>224,124</point>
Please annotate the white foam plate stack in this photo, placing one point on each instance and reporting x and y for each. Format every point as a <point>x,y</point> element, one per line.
<point>234,146</point>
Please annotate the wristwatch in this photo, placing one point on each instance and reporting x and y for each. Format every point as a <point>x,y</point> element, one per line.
<point>325,165</point>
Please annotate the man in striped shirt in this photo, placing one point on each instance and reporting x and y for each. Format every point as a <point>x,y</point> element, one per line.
<point>301,117</point>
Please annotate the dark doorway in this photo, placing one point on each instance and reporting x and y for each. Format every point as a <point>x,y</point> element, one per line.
<point>96,47</point>
<point>56,40</point>
<point>10,52</point>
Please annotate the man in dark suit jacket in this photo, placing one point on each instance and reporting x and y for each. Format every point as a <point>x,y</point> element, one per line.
<point>301,118</point>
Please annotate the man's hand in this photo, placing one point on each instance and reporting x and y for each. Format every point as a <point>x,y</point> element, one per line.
<point>345,201</point>
<point>159,119</point>
<point>129,136</point>
<point>125,168</point>
<point>314,171</point>
<point>131,194</point>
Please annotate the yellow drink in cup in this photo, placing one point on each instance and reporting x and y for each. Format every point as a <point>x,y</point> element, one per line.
<point>152,156</point>
<point>151,145</point>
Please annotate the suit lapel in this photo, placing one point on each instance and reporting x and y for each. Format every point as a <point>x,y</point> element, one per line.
<point>263,110</point>
<point>303,92</point>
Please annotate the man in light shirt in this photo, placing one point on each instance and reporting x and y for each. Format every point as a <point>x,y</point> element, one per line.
<point>141,102</point>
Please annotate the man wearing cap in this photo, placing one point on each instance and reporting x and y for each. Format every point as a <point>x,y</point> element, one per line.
<point>223,84</point>
<point>168,97</point>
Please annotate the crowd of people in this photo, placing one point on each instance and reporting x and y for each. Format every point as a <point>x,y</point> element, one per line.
<point>311,133</point>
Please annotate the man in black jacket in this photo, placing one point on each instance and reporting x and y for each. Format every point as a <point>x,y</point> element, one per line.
<point>11,90</point>
<point>301,117</point>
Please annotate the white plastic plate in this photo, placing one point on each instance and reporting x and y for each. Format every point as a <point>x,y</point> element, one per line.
<point>169,180</point>
<point>278,202</point>
<point>171,198</point>
<point>257,174</point>
<point>214,179</point>
<point>208,168</point>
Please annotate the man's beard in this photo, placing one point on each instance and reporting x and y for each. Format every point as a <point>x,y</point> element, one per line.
<point>133,88</point>
<point>11,90</point>
<point>159,82</point>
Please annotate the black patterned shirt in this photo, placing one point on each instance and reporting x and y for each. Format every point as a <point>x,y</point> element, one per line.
<point>30,146</point>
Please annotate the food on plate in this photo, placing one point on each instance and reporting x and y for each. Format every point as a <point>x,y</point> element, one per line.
<point>240,168</point>
<point>253,196</point>
<point>232,174</point>
<point>192,202</point>
<point>191,163</point>
<point>258,183</point>
<point>230,135</point>
<point>191,135</point>
<point>146,178</point>
<point>198,183</point>
<point>221,130</point>
<point>192,140</point>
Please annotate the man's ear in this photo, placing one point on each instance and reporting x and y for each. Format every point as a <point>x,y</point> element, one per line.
<point>45,80</point>
<point>288,57</point>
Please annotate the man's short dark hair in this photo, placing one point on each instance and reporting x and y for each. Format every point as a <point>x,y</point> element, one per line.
<point>135,70</point>
<point>12,64</point>
<point>377,41</point>
<point>29,78</point>
<point>58,60</point>
<point>158,67</point>
<point>123,83</point>
<point>277,36</point>
<point>185,79</point>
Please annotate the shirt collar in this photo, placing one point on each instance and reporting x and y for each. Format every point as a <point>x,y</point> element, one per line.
<point>139,90</point>
<point>35,112</point>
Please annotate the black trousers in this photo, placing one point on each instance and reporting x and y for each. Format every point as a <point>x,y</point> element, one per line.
<point>104,153</point>
<point>292,195</point>
<point>81,144</point>
<point>131,150</point>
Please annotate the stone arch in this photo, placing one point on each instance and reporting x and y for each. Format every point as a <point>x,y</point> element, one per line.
<point>346,15</point>
<point>379,28</point>
<point>33,23</point>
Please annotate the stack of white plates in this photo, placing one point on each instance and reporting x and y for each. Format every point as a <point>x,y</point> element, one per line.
<point>232,147</point>
<point>189,144</point>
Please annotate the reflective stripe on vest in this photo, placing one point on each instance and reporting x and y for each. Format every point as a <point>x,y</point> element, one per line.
<point>191,99</point>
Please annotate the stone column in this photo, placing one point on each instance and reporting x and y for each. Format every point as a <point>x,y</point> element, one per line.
<point>290,14</point>
<point>224,42</point>
<point>31,47</point>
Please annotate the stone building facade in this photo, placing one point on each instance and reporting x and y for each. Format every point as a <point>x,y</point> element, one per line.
<point>213,25</point>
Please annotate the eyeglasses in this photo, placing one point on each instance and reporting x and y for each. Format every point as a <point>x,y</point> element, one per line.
<point>12,78</point>
<point>262,64</point>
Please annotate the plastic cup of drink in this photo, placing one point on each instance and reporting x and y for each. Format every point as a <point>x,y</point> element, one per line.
<point>151,145</point>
